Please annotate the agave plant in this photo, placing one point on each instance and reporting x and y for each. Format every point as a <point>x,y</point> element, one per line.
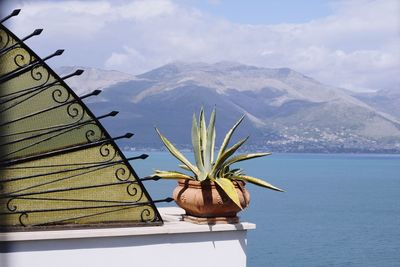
<point>218,170</point>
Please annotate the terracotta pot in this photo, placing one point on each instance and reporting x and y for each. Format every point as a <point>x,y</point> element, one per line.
<point>205,199</point>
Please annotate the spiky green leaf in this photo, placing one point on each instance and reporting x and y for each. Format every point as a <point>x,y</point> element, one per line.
<point>203,133</point>
<point>256,181</point>
<point>219,163</point>
<point>208,153</point>
<point>175,152</point>
<point>196,142</point>
<point>213,145</point>
<point>171,175</point>
<point>235,172</point>
<point>229,189</point>
<point>244,157</point>
<point>228,137</point>
<point>184,167</point>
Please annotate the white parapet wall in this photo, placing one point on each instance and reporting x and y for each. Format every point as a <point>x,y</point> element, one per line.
<point>176,243</point>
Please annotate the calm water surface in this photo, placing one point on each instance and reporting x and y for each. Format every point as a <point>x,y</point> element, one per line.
<point>338,210</point>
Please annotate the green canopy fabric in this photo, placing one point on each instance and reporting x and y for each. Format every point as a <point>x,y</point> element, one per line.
<point>58,166</point>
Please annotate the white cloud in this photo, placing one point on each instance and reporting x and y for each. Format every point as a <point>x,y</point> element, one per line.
<point>128,60</point>
<point>355,47</point>
<point>142,10</point>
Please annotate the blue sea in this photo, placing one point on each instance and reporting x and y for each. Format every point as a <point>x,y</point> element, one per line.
<point>338,209</point>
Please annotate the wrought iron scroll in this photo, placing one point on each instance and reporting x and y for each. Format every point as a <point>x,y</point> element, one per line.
<point>58,165</point>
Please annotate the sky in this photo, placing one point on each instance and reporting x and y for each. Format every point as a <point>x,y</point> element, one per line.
<point>353,44</point>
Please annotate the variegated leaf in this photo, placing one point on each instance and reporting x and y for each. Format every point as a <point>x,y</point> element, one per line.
<point>257,181</point>
<point>175,152</point>
<point>229,189</point>
<point>228,137</point>
<point>244,157</point>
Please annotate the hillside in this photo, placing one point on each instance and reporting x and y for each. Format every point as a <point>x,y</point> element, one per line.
<point>286,111</point>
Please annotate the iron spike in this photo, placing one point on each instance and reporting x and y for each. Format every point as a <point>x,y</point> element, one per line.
<point>113,113</point>
<point>34,33</point>
<point>14,13</point>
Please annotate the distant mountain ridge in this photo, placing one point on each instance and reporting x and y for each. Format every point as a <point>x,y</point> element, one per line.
<point>93,78</point>
<point>286,110</point>
<point>387,101</point>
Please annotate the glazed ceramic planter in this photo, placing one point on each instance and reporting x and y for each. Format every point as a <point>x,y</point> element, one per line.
<point>206,200</point>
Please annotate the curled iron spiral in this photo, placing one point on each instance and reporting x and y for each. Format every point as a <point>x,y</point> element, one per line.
<point>22,57</point>
<point>122,173</point>
<point>60,94</point>
<point>135,191</point>
<point>38,73</point>
<point>107,151</point>
<point>4,40</point>
<point>147,214</point>
<point>23,216</point>
<point>93,133</point>
<point>11,207</point>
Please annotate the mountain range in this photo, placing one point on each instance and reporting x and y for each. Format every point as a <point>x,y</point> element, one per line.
<point>285,110</point>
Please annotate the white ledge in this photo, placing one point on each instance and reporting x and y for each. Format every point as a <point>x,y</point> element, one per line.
<point>172,225</point>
